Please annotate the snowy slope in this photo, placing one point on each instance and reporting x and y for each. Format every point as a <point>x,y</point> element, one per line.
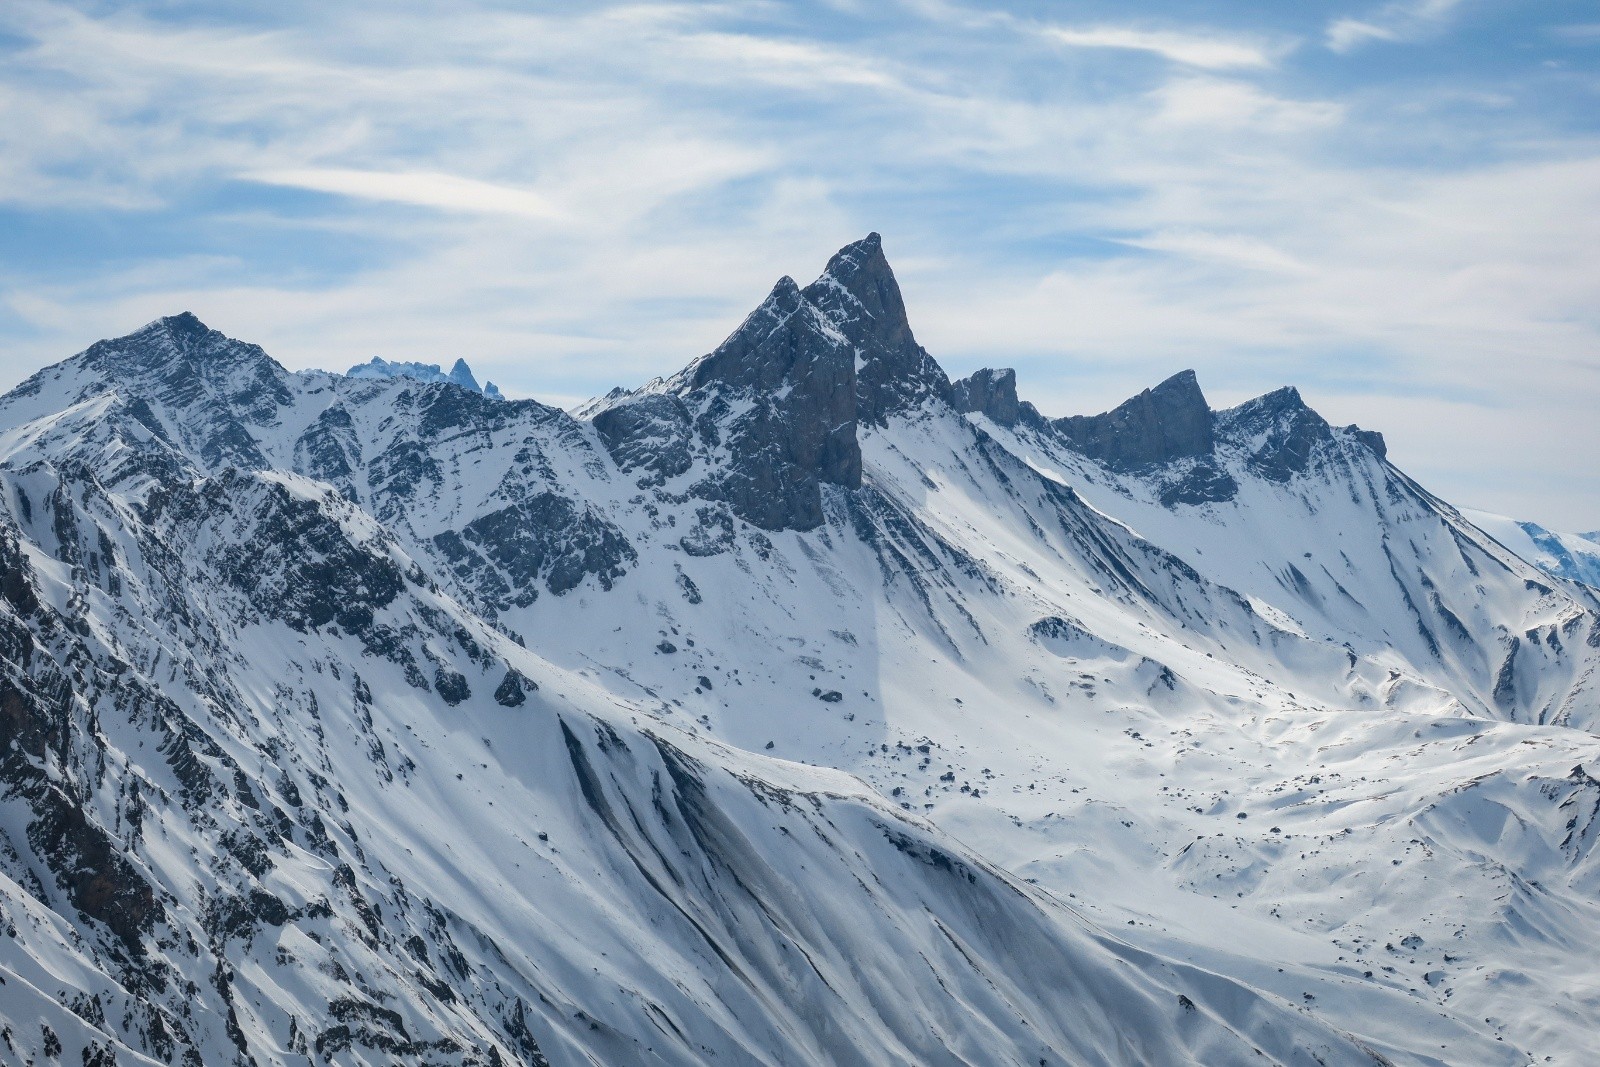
<point>1227,683</point>
<point>1575,557</point>
<point>1316,523</point>
<point>273,797</point>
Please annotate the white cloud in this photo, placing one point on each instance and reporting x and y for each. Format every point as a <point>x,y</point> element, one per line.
<point>1345,34</point>
<point>1207,53</point>
<point>1225,248</point>
<point>445,191</point>
<point>1220,102</point>
<point>1401,20</point>
<point>786,61</point>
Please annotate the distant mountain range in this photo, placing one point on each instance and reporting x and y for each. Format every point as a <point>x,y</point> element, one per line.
<point>460,374</point>
<point>1565,555</point>
<point>803,707</point>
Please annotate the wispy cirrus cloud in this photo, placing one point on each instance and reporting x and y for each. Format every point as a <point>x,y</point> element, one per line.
<point>1401,20</point>
<point>1209,101</point>
<point>1579,32</point>
<point>447,192</point>
<point>1192,50</point>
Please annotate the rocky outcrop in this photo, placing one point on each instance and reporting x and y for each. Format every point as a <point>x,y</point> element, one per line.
<point>776,404</point>
<point>330,451</point>
<point>210,384</point>
<point>1281,432</point>
<point>546,540</point>
<point>649,432</point>
<point>460,374</point>
<point>1371,438</point>
<point>1171,436</point>
<point>988,392</point>
<point>1168,422</point>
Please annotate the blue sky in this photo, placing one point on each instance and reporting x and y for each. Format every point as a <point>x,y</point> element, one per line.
<point>1393,205</point>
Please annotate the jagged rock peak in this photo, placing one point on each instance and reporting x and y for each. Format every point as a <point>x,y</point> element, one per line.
<point>859,294</point>
<point>1286,407</point>
<point>206,385</point>
<point>747,358</point>
<point>989,392</point>
<point>1281,430</point>
<point>184,326</point>
<point>1283,399</point>
<point>855,306</point>
<point>778,398</point>
<point>1182,388</point>
<point>1373,439</point>
<point>1167,422</point>
<point>1285,434</point>
<point>182,335</point>
<point>783,395</point>
<point>862,270</point>
<point>460,374</point>
<point>177,345</point>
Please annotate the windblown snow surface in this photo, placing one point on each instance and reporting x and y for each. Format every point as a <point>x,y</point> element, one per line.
<point>803,708</point>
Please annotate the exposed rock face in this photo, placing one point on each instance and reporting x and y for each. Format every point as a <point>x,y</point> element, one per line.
<point>1285,432</point>
<point>330,451</point>
<point>1371,438</point>
<point>989,392</point>
<point>513,689</point>
<point>1161,424</point>
<point>547,539</point>
<point>298,565</point>
<point>775,408</point>
<point>777,400</point>
<point>1200,481</point>
<point>648,431</point>
<point>1170,435</point>
<point>859,295</point>
<point>179,365</point>
<point>771,416</point>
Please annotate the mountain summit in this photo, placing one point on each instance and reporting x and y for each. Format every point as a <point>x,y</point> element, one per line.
<point>857,293</point>
<point>784,395</point>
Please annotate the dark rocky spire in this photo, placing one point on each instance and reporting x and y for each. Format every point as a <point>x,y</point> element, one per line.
<point>462,375</point>
<point>859,294</point>
<point>779,396</point>
<point>783,396</point>
<point>754,355</point>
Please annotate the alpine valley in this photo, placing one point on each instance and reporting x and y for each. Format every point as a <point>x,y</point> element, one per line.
<point>805,707</point>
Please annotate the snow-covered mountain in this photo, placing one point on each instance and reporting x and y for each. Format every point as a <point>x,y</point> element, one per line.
<point>460,374</point>
<point>802,707</point>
